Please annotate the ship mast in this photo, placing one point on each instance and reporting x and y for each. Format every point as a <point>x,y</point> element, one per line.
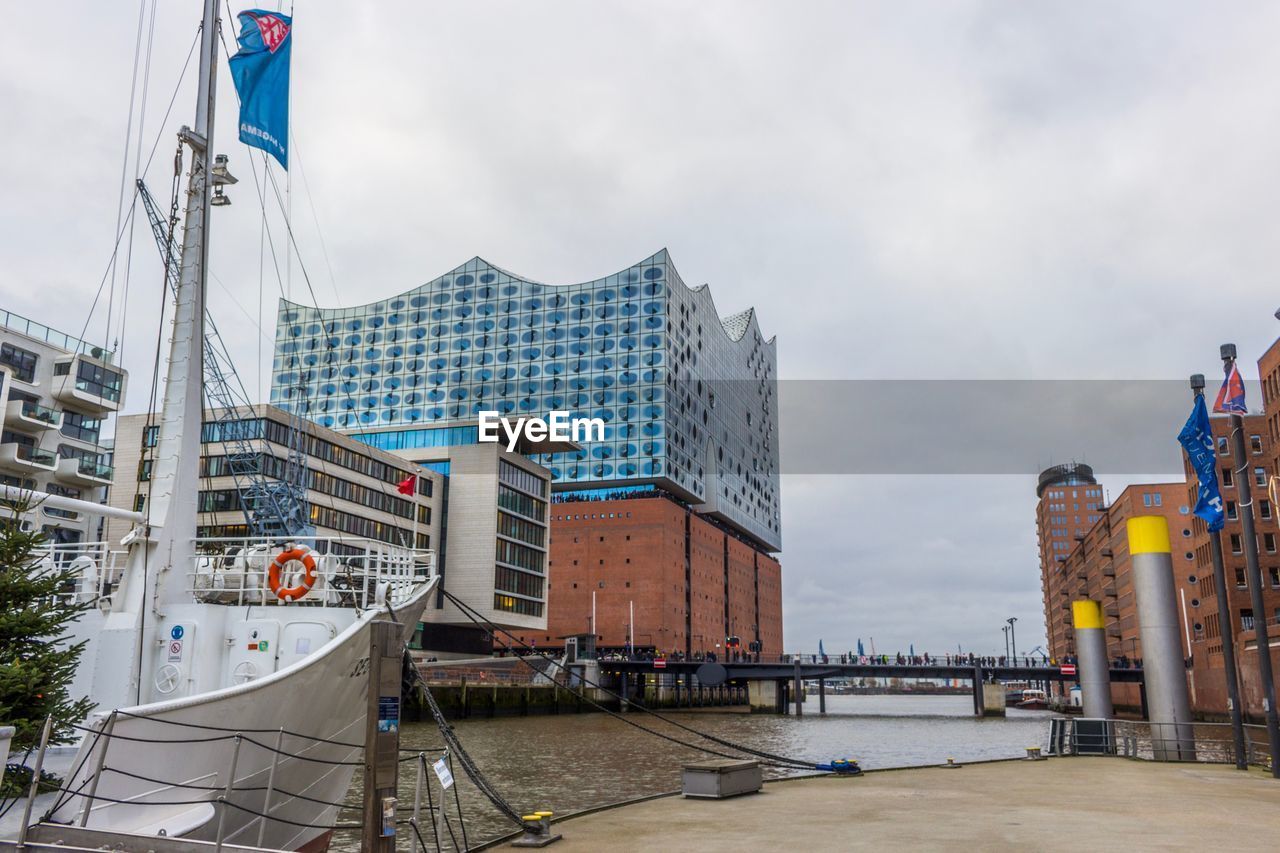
<point>175,476</point>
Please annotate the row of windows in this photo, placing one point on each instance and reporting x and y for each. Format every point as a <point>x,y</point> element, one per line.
<point>522,606</point>
<point>227,500</point>
<point>525,481</point>
<point>257,429</point>
<point>525,531</point>
<point>510,499</point>
<point>327,484</point>
<point>521,556</point>
<point>1255,445</point>
<point>520,583</point>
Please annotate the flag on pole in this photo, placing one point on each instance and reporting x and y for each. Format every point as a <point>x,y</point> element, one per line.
<point>860,649</point>
<point>260,70</point>
<point>1196,439</point>
<point>408,485</point>
<point>821,652</point>
<point>1231,395</point>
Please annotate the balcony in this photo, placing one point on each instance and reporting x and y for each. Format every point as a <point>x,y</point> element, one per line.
<point>24,459</point>
<point>1109,591</point>
<point>1112,610</point>
<point>84,472</point>
<point>1109,570</point>
<point>25,416</point>
<point>88,385</point>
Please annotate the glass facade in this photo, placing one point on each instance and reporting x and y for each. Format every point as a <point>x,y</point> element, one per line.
<point>689,400</point>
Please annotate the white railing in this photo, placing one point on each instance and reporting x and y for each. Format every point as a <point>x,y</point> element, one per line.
<point>348,571</point>
<point>97,569</point>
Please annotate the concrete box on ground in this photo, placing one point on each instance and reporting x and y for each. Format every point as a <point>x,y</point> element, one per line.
<point>721,778</point>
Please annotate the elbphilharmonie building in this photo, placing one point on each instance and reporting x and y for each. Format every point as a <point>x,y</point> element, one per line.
<point>689,397</point>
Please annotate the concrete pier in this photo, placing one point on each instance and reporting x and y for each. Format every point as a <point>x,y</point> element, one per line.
<point>1076,803</point>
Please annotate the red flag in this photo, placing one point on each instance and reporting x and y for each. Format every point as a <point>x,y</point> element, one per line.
<point>406,486</point>
<point>1231,394</point>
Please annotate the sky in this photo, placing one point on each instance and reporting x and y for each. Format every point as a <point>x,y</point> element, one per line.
<point>926,191</point>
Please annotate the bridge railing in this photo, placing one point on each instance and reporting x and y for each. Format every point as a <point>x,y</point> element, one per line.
<point>1211,743</point>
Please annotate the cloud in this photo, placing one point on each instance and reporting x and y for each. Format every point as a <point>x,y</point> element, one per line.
<point>968,190</point>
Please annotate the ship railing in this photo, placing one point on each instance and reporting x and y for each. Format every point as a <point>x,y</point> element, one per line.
<point>97,569</point>
<point>348,570</point>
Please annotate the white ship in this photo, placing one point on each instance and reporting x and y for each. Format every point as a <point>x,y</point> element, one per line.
<point>229,675</point>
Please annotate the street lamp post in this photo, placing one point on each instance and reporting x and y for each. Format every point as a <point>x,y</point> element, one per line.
<point>1005,628</point>
<point>1013,637</point>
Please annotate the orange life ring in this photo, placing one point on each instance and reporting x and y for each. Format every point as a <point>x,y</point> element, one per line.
<point>292,593</point>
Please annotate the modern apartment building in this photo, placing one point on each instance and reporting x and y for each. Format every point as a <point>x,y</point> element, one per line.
<point>56,392</point>
<point>352,487</point>
<point>486,520</point>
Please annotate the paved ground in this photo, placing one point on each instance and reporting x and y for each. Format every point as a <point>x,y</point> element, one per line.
<point>1059,804</point>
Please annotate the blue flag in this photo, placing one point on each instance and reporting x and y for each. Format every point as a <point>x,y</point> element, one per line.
<point>861,651</point>
<point>260,69</point>
<point>1197,439</point>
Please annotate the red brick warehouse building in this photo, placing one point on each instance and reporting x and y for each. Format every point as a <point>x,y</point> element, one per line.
<point>692,583</point>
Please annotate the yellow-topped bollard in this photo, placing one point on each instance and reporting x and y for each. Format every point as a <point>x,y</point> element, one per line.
<point>1148,534</point>
<point>1163,667</point>
<point>537,830</point>
<point>1093,667</point>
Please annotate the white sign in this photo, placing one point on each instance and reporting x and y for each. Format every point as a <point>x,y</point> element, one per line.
<point>443,774</point>
<point>558,427</point>
<point>175,650</point>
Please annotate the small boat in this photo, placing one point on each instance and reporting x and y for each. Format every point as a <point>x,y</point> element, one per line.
<point>1033,700</point>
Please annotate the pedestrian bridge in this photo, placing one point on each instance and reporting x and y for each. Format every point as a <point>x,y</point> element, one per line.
<point>688,675</point>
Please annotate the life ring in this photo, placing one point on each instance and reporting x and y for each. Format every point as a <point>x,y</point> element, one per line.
<point>292,593</point>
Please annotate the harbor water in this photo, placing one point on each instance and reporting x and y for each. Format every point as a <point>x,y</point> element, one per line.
<point>571,762</point>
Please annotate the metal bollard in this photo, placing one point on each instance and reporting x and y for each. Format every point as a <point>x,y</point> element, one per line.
<point>1034,754</point>
<point>537,830</point>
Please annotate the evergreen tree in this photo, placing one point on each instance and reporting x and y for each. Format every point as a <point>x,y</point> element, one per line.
<point>37,659</point>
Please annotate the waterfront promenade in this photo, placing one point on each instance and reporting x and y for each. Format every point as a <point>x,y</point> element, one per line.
<point>1063,803</point>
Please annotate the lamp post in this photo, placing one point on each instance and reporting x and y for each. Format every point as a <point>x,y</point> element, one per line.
<point>1005,628</point>
<point>1013,637</point>
<point>1262,642</point>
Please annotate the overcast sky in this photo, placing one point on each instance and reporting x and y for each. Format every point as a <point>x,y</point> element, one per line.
<point>902,190</point>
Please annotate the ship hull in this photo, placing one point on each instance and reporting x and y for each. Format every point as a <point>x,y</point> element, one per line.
<point>167,764</point>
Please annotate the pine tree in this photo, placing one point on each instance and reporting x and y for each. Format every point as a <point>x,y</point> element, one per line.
<point>37,659</point>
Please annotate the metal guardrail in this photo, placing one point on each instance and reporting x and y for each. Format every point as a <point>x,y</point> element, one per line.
<point>41,332</point>
<point>1205,743</point>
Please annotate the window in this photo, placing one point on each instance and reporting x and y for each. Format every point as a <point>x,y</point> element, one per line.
<point>1273,574</point>
<point>1157,499</point>
<point>21,361</point>
<point>1260,477</point>
<point>1240,578</point>
<point>1264,509</point>
<point>82,427</point>
<point>1255,444</point>
<point>99,381</point>
<point>1226,478</point>
<point>1223,449</point>
<point>1146,499</point>
<point>1246,620</point>
<point>1269,542</point>
<point>1232,513</point>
